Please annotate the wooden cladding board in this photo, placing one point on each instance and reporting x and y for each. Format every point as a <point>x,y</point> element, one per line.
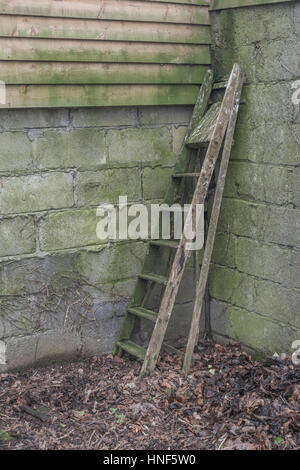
<point>121,10</point>
<point>41,96</point>
<point>224,4</point>
<point>101,30</point>
<point>103,52</point>
<point>54,73</point>
<point>43,50</point>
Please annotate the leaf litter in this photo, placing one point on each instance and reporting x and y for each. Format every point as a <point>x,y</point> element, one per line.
<point>228,401</point>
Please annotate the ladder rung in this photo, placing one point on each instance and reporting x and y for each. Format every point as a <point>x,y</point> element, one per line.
<point>204,132</point>
<point>132,348</point>
<point>143,313</point>
<point>199,145</point>
<point>154,277</point>
<point>165,243</point>
<point>220,85</point>
<point>186,175</point>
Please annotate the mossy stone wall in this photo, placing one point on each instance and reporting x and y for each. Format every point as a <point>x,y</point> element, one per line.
<point>254,281</point>
<point>63,292</point>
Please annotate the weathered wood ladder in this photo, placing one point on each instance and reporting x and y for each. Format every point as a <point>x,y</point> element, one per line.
<point>204,129</point>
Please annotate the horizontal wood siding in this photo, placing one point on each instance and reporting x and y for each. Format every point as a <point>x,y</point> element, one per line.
<point>121,10</point>
<point>45,73</point>
<point>101,30</point>
<point>43,50</point>
<point>224,4</point>
<point>42,96</point>
<point>103,52</point>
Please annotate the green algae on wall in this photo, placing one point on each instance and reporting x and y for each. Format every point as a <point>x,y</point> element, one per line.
<point>255,298</point>
<point>64,292</point>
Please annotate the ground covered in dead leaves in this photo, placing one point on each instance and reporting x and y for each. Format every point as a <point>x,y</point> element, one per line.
<point>228,401</point>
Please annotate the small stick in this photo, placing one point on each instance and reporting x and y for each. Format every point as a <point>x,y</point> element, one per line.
<point>37,414</point>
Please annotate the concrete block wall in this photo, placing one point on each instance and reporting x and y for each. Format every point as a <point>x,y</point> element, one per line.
<point>254,283</point>
<point>63,293</point>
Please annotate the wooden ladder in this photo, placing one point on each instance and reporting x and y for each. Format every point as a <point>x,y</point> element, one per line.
<point>204,129</point>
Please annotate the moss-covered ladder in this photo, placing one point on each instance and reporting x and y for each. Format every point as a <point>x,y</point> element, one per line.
<point>204,129</point>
